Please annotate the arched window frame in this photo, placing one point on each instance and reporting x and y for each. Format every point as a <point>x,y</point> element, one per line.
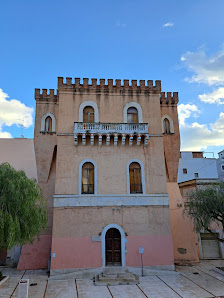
<point>91,104</point>
<point>48,114</point>
<point>132,105</point>
<point>171,123</point>
<point>103,247</point>
<point>142,175</point>
<point>80,176</point>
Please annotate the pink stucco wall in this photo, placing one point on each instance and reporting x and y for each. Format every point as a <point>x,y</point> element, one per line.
<point>158,250</point>
<point>36,255</point>
<point>81,252</point>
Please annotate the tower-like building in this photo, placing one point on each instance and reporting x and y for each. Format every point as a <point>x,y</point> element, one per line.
<point>105,154</point>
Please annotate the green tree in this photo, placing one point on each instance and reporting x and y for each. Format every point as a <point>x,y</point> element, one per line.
<point>206,207</point>
<point>23,211</point>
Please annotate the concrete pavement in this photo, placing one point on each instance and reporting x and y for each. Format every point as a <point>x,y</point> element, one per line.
<point>188,281</point>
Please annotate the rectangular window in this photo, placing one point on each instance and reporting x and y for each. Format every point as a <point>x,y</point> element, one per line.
<point>184,171</point>
<point>197,154</point>
<point>223,167</point>
<point>196,175</point>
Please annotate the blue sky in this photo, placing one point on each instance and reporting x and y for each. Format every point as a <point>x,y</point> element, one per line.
<point>180,43</point>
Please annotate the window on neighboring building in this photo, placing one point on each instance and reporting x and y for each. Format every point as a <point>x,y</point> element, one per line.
<point>197,154</point>
<point>88,178</point>
<point>48,124</point>
<point>184,171</point>
<point>166,125</point>
<point>223,167</point>
<point>88,114</point>
<point>135,178</point>
<point>132,115</point>
<point>196,175</point>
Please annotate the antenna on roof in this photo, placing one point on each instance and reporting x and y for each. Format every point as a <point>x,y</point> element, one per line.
<point>22,125</point>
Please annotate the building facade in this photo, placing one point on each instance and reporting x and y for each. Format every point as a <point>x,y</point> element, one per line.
<point>198,172</point>
<point>193,165</point>
<point>220,165</point>
<point>107,161</point>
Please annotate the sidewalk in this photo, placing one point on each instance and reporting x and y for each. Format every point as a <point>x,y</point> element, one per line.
<point>188,281</point>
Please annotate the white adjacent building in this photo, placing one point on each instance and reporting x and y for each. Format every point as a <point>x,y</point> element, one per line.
<point>193,165</point>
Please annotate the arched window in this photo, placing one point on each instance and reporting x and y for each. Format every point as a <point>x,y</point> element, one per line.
<point>132,115</point>
<point>88,178</point>
<point>166,125</point>
<point>135,178</point>
<point>88,114</point>
<point>48,124</point>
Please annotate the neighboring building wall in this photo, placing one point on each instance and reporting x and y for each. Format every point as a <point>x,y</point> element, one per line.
<point>220,165</point>
<point>186,188</point>
<point>195,163</point>
<point>20,154</point>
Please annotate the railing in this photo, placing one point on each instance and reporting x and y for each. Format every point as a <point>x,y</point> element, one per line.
<point>111,128</point>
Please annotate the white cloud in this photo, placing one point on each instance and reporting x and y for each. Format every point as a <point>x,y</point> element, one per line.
<point>5,135</point>
<point>118,24</point>
<point>216,96</point>
<point>185,111</point>
<point>13,112</point>
<point>169,24</point>
<point>206,69</point>
<point>197,136</point>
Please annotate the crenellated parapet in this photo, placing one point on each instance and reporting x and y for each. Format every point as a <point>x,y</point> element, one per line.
<point>169,98</point>
<point>111,86</point>
<point>46,95</point>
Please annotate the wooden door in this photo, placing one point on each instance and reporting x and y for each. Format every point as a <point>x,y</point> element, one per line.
<point>113,248</point>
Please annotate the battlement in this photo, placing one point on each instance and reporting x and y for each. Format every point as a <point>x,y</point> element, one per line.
<point>110,86</point>
<point>46,95</point>
<point>169,98</point>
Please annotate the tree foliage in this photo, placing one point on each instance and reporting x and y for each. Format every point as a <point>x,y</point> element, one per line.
<point>23,211</point>
<point>206,207</point>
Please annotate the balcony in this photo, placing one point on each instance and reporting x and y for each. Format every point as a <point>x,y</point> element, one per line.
<point>123,130</point>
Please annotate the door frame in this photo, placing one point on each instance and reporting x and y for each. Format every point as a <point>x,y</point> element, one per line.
<point>221,246</point>
<point>103,241</point>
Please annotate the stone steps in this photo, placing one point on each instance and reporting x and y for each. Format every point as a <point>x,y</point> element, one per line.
<point>116,276</point>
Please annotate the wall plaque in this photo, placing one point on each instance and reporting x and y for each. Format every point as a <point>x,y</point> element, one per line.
<point>96,238</point>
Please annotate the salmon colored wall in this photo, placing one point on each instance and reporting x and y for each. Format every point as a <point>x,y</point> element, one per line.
<point>78,252</point>
<point>19,153</point>
<point>36,255</point>
<point>111,166</point>
<point>90,221</point>
<point>182,228</point>
<point>158,250</point>
<point>81,252</point>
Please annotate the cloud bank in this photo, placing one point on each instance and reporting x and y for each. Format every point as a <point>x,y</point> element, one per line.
<point>206,69</point>
<point>13,112</point>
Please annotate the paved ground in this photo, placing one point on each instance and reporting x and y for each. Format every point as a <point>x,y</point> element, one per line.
<point>196,281</point>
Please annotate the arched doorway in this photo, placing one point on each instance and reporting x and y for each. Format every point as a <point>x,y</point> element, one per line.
<point>113,247</point>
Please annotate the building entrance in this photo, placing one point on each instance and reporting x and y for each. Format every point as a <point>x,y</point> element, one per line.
<point>113,247</point>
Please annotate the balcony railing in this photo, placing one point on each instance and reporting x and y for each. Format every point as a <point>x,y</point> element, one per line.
<point>111,129</point>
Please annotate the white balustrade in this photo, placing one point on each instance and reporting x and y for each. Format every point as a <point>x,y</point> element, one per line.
<point>111,128</point>
<point>108,129</point>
